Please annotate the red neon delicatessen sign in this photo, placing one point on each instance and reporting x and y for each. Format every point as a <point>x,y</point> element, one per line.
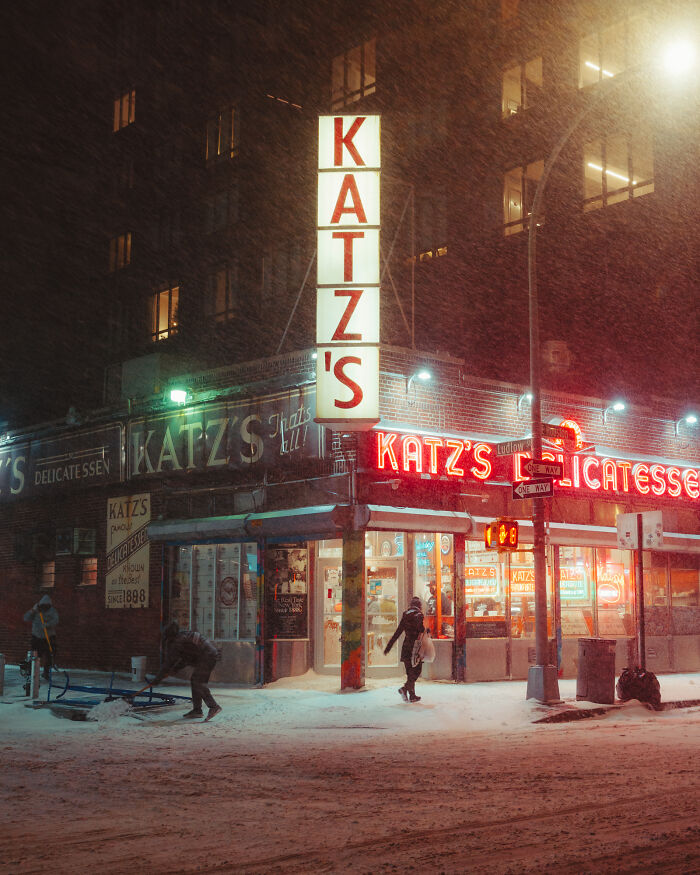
<point>455,458</point>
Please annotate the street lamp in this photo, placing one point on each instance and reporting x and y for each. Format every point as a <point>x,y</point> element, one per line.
<point>690,419</point>
<point>615,407</point>
<point>542,683</point>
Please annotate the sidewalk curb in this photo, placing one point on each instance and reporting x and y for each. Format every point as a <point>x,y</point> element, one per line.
<point>571,714</point>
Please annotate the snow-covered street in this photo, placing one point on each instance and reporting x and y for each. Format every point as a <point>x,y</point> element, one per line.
<point>299,778</point>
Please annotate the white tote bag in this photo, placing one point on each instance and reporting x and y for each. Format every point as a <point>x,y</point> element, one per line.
<point>423,649</point>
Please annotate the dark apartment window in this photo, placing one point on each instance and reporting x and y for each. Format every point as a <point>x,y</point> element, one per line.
<point>124,177</point>
<point>164,307</point>
<point>522,86</point>
<point>48,574</point>
<point>509,10</point>
<point>353,75</point>
<point>124,110</point>
<point>88,571</point>
<point>614,48</point>
<point>617,168</point>
<point>120,251</point>
<point>221,209</point>
<point>222,293</point>
<point>222,135</point>
<point>166,230</point>
<point>520,185</point>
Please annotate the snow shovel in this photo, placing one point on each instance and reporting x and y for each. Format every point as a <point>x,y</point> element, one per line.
<point>131,696</point>
<point>48,641</point>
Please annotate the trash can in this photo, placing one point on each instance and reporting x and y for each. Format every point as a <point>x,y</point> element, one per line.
<point>138,669</point>
<point>595,681</point>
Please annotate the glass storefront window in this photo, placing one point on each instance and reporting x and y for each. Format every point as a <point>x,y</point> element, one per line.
<point>615,593</point>
<point>576,587</point>
<point>213,590</point>
<point>684,574</point>
<point>433,571</point>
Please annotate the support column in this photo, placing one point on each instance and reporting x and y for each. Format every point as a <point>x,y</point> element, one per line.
<point>459,651</point>
<point>352,641</point>
<point>260,616</point>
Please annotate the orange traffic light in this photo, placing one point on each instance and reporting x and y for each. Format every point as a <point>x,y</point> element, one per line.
<point>501,534</point>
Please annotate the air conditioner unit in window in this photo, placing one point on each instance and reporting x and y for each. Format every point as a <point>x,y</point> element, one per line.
<point>64,542</point>
<point>84,542</point>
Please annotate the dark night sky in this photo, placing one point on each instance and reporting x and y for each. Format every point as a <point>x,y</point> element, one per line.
<point>47,258</point>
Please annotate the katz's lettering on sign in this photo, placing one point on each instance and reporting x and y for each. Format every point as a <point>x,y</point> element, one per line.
<point>456,458</point>
<point>347,277</point>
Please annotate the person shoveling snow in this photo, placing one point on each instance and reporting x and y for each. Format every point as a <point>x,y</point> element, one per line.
<point>183,648</point>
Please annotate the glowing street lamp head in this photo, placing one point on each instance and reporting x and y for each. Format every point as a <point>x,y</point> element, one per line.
<point>679,57</point>
<point>178,396</point>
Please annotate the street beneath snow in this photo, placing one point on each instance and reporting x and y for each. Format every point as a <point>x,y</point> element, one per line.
<point>302,780</point>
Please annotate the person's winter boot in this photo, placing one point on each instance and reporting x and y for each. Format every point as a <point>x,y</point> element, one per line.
<point>414,698</point>
<point>195,712</point>
<point>213,711</point>
<point>403,693</point>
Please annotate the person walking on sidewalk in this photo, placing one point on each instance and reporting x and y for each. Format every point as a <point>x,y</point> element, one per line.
<point>182,648</point>
<point>411,625</point>
<point>44,619</point>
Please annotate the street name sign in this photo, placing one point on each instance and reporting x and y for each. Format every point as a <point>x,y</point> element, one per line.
<point>507,448</point>
<point>541,468</point>
<point>533,489</point>
<point>560,432</point>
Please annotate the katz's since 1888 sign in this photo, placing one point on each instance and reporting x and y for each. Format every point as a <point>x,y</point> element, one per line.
<point>128,553</point>
<point>347,300</point>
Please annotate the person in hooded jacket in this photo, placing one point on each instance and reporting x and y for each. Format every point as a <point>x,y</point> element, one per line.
<point>182,648</point>
<point>411,625</point>
<point>44,619</point>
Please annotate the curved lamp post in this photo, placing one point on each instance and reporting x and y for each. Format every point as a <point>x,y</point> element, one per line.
<point>542,683</point>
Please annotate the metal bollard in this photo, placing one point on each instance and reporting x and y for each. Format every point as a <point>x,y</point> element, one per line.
<point>36,668</point>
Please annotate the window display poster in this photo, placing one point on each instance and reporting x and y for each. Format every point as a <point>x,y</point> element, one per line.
<point>128,551</point>
<point>286,580</point>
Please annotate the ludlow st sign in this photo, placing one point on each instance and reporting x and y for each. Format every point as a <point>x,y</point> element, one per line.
<point>347,297</point>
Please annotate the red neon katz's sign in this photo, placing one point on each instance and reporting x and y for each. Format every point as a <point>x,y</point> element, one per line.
<point>463,459</point>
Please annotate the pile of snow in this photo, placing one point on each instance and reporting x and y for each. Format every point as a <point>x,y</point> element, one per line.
<point>107,712</point>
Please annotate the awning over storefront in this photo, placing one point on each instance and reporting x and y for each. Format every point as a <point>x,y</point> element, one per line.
<point>319,521</point>
<point>329,521</point>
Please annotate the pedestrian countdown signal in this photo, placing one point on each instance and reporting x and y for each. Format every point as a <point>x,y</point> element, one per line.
<point>501,534</point>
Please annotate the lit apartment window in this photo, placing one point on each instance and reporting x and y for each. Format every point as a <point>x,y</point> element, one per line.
<point>88,571</point>
<point>221,135</point>
<point>48,574</point>
<point>222,287</point>
<point>519,189</point>
<point>164,308</point>
<point>353,75</point>
<point>615,169</point>
<point>124,110</point>
<point>120,251</point>
<point>612,49</point>
<point>522,85</point>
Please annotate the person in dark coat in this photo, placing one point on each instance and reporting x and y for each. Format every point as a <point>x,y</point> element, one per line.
<point>182,648</point>
<point>411,625</point>
<point>44,619</point>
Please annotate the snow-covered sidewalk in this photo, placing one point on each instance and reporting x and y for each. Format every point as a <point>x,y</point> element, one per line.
<point>313,703</point>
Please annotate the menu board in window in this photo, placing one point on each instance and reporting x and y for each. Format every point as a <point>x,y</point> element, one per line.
<point>286,576</point>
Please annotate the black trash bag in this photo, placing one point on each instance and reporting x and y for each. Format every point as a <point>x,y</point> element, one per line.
<point>634,683</point>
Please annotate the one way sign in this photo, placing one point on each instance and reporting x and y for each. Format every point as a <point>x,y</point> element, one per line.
<point>533,489</point>
<point>541,468</point>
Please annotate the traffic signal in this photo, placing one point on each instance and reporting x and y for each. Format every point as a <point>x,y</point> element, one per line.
<point>501,534</point>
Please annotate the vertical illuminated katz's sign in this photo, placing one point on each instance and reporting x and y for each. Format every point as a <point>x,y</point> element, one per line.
<point>347,300</point>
